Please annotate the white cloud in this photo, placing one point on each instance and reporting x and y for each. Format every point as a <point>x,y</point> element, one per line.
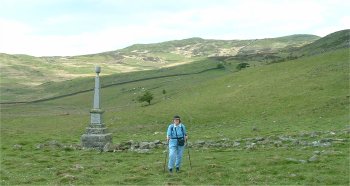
<point>224,20</point>
<point>13,27</point>
<point>246,18</point>
<point>61,19</point>
<point>18,38</point>
<point>14,36</point>
<point>340,24</point>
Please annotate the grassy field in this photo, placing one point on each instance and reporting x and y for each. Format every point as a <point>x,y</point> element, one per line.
<point>210,166</point>
<point>307,99</point>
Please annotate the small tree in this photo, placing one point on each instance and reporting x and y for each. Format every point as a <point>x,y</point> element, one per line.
<point>146,97</point>
<point>242,65</point>
<point>220,66</point>
<point>164,91</point>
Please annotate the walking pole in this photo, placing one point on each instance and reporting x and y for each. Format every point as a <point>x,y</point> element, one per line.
<point>188,151</point>
<point>189,156</point>
<point>166,156</point>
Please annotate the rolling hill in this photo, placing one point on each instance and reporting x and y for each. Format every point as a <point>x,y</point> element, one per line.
<point>288,123</point>
<point>305,99</point>
<point>333,41</point>
<point>23,73</point>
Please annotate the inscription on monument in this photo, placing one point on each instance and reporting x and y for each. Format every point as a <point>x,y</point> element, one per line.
<point>96,118</point>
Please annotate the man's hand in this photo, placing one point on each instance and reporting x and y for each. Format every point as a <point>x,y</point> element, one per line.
<point>167,139</point>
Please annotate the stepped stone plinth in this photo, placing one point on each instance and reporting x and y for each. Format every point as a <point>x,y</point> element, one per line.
<point>96,135</point>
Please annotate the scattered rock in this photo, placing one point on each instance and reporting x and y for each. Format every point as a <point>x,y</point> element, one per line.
<point>277,143</point>
<point>303,134</point>
<point>340,140</point>
<point>319,144</point>
<point>152,145</point>
<point>326,140</point>
<point>142,151</point>
<point>54,144</point>
<point>292,159</point>
<point>330,152</point>
<point>317,152</point>
<point>313,158</point>
<point>286,138</point>
<point>129,143</point>
<point>259,139</point>
<point>108,147</point>
<point>17,147</point>
<point>251,146</point>
<point>248,139</point>
<point>236,144</point>
<point>39,146</point>
<point>314,134</point>
<point>68,177</point>
<point>157,142</point>
<point>296,161</point>
<point>132,146</point>
<point>224,140</point>
<point>144,145</point>
<point>199,142</point>
<point>77,167</point>
<point>302,140</point>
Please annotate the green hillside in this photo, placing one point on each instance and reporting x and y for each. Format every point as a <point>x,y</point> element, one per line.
<point>333,41</point>
<point>274,45</point>
<point>22,73</point>
<point>53,89</point>
<point>304,87</point>
<point>305,99</point>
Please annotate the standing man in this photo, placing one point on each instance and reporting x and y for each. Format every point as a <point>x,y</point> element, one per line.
<point>176,138</point>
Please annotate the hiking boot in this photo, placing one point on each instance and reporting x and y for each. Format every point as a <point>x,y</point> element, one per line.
<point>177,169</point>
<point>170,171</point>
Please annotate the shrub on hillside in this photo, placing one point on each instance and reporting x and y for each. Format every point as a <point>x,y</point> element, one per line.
<point>146,97</point>
<point>242,65</point>
<point>220,66</point>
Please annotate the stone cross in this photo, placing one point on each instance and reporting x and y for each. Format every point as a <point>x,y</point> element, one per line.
<point>96,135</point>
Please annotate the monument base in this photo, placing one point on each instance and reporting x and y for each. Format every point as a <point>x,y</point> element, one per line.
<point>96,140</point>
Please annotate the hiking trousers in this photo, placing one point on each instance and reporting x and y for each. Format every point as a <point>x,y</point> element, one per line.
<point>175,156</point>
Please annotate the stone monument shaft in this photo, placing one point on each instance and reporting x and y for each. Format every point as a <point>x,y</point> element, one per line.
<point>97,89</point>
<point>96,135</point>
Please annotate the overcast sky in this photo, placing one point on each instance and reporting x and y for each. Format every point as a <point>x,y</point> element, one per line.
<point>74,27</point>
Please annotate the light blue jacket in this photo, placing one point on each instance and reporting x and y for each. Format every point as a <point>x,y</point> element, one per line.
<point>173,130</point>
